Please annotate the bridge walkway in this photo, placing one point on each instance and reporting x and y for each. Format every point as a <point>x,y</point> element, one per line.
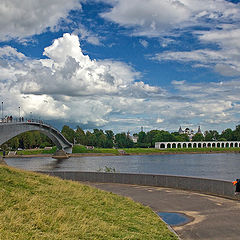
<point>11,129</point>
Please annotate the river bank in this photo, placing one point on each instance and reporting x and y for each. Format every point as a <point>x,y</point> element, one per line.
<point>36,206</point>
<point>133,151</point>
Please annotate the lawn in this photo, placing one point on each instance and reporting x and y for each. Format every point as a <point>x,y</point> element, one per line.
<point>178,150</point>
<point>36,151</point>
<point>83,149</point>
<point>35,206</point>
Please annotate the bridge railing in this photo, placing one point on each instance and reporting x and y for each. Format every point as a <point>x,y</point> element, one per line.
<point>23,120</point>
<point>17,120</point>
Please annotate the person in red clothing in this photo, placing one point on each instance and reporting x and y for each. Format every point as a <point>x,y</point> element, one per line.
<point>237,184</point>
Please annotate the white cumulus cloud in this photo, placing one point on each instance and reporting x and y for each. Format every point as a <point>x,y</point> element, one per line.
<point>70,86</point>
<point>21,19</point>
<point>156,18</point>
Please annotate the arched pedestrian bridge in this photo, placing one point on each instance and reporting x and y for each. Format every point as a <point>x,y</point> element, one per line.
<point>213,144</point>
<point>12,129</point>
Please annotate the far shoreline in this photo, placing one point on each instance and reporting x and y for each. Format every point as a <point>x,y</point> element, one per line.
<point>127,154</point>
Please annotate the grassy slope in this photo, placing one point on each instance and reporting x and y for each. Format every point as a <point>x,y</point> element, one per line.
<point>34,206</point>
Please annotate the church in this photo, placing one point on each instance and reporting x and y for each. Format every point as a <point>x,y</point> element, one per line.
<point>189,132</point>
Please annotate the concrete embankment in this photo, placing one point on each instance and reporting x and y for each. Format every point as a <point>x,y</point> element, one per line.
<point>2,162</point>
<point>206,186</point>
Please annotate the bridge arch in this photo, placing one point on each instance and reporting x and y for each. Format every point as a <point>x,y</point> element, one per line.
<point>10,130</point>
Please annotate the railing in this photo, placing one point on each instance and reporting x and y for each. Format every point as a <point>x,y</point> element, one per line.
<point>22,120</point>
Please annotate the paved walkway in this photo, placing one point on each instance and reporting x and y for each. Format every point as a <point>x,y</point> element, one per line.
<point>213,218</point>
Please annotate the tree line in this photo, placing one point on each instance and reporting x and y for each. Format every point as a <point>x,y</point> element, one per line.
<point>107,138</point>
<point>28,140</point>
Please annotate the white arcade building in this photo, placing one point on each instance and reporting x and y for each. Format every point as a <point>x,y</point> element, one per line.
<point>214,144</point>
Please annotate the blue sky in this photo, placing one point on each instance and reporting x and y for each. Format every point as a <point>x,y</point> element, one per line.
<point>119,64</point>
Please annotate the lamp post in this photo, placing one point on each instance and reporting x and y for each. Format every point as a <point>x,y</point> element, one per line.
<point>2,111</point>
<point>19,112</point>
<point>31,116</point>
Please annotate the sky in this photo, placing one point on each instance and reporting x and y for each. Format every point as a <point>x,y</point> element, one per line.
<point>120,64</point>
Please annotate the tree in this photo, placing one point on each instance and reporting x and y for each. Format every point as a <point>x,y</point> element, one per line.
<point>110,138</point>
<point>181,137</point>
<point>80,136</point>
<point>236,133</point>
<point>99,138</point>
<point>68,133</point>
<point>164,136</point>
<point>150,137</point>
<point>122,141</point>
<point>142,137</point>
<point>227,134</point>
<point>142,140</point>
<point>211,135</point>
<point>90,139</point>
<point>13,143</point>
<point>28,140</point>
<point>198,137</point>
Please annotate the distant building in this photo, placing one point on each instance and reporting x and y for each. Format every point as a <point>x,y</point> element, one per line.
<point>189,131</point>
<point>186,131</point>
<point>180,131</point>
<point>134,138</point>
<point>89,147</point>
<point>199,130</point>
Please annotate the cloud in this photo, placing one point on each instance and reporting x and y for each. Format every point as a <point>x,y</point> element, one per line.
<point>224,61</point>
<point>87,35</point>
<point>9,52</point>
<point>144,43</point>
<point>70,86</point>
<point>155,18</point>
<point>159,120</point>
<point>169,20</point>
<point>25,19</point>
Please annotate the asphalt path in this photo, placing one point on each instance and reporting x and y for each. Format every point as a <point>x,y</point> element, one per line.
<point>211,218</point>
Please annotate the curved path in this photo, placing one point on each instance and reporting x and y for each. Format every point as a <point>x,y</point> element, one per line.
<point>212,218</point>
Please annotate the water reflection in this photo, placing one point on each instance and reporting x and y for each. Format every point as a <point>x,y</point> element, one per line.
<point>174,219</point>
<point>216,166</point>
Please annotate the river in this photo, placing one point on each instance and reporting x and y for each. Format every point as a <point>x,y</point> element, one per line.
<point>222,166</point>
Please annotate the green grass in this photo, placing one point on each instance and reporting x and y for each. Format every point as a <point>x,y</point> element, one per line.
<point>178,150</point>
<point>37,151</point>
<point>83,149</point>
<point>35,206</point>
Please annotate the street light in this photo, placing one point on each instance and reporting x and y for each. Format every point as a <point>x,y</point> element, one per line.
<point>2,111</point>
<point>19,112</point>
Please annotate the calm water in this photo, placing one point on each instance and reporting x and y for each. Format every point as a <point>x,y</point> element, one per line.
<point>216,166</point>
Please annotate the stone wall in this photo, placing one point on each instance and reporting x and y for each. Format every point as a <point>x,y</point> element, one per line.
<point>207,186</point>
